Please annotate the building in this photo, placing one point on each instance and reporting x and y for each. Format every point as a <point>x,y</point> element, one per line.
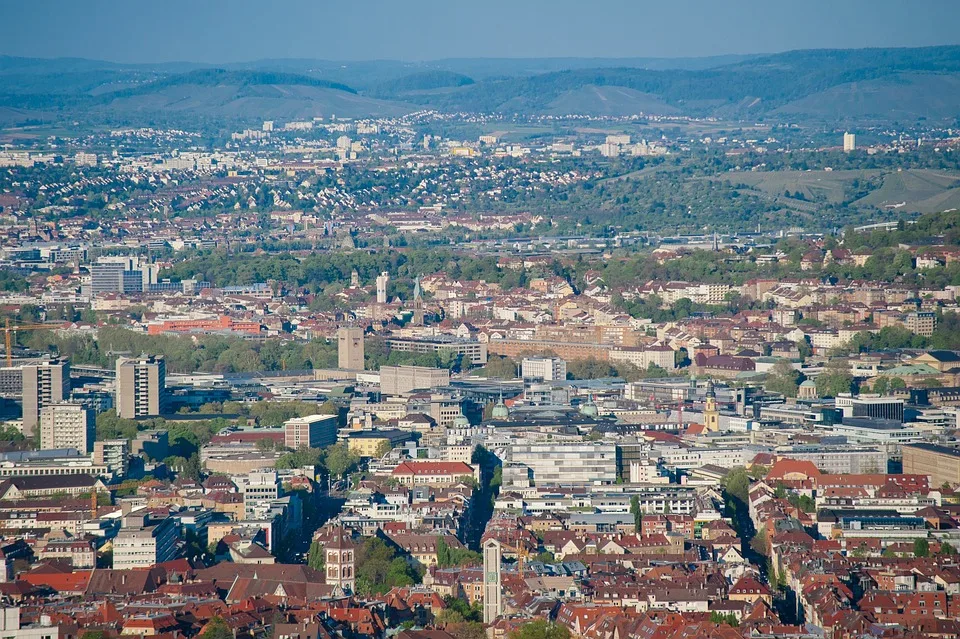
<point>400,380</point>
<point>568,463</point>
<point>372,443</point>
<point>11,627</point>
<point>44,383</point>
<point>849,142</point>
<point>114,454</point>
<point>921,322</point>
<point>711,415</point>
<point>66,425</point>
<point>545,369</point>
<point>472,352</point>
<point>874,407</point>
<point>313,431</point>
<point>141,386</point>
<point>382,281</point>
<point>886,432</point>
<point>431,473</point>
<point>492,589</point>
<point>350,348</point>
<point>261,488</point>
<point>142,542</point>
<point>940,463</point>
<point>38,463</point>
<point>339,560</point>
<point>855,460</point>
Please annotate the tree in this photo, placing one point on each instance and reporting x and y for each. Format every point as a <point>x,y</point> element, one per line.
<point>783,378</point>
<point>921,548</point>
<point>499,368</point>
<point>897,384</point>
<point>636,512</point>
<point>737,483</point>
<point>216,628</point>
<point>340,460</point>
<point>947,549</point>
<point>881,385</point>
<point>315,556</point>
<point>834,379</point>
<point>540,629</point>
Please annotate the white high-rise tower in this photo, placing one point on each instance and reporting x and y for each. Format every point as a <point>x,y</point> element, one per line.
<point>382,280</point>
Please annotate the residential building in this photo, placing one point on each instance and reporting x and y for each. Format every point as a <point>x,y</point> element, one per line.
<point>44,383</point>
<point>66,425</point>
<point>114,454</point>
<point>141,386</point>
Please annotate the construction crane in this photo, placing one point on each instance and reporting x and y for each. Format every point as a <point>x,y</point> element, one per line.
<point>9,330</point>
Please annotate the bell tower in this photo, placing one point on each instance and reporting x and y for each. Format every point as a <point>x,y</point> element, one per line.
<point>711,416</point>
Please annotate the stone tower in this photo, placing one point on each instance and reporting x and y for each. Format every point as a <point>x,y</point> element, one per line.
<point>492,590</point>
<point>711,416</point>
<point>339,560</point>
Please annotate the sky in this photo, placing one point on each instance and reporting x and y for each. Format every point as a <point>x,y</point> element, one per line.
<point>212,31</point>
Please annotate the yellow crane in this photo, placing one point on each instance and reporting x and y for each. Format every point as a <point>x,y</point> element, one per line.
<point>9,330</point>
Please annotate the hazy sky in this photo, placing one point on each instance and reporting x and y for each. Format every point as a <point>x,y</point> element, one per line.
<point>220,31</point>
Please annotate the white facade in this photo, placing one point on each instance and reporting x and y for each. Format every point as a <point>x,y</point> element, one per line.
<point>549,369</point>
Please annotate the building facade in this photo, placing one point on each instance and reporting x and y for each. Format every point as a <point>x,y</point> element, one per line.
<point>44,383</point>
<point>66,425</point>
<point>141,386</point>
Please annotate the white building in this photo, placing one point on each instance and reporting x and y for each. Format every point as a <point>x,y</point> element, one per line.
<point>547,369</point>
<point>849,142</point>
<point>65,425</point>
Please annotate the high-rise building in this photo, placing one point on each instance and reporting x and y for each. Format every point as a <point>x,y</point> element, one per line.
<point>849,142</point>
<point>382,280</point>
<point>492,590</point>
<point>547,369</point>
<point>44,383</point>
<point>313,431</point>
<point>350,348</point>
<point>141,386</point>
<point>66,425</point>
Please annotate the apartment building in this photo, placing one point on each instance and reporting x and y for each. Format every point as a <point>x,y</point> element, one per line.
<point>568,463</point>
<point>141,386</point>
<point>142,542</point>
<point>44,383</point>
<point>67,425</point>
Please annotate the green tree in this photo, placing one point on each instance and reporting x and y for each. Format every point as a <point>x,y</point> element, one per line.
<point>315,556</point>
<point>340,460</point>
<point>921,548</point>
<point>881,385</point>
<point>737,483</point>
<point>216,628</point>
<point>636,512</point>
<point>783,378</point>
<point>834,379</point>
<point>540,629</point>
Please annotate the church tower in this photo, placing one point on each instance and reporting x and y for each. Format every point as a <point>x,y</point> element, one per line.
<point>711,416</point>
<point>339,560</point>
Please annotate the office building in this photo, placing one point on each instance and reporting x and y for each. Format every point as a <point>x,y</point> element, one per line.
<point>314,431</point>
<point>940,463</point>
<point>65,425</point>
<point>399,380</point>
<point>154,444</point>
<point>382,280</point>
<point>873,407</point>
<point>545,369</point>
<point>836,460</point>
<point>260,489</point>
<point>877,432</point>
<point>473,353</point>
<point>141,386</point>
<point>113,454</point>
<point>44,383</point>
<point>568,463</point>
<point>849,142</point>
<point>350,348</point>
<point>143,541</point>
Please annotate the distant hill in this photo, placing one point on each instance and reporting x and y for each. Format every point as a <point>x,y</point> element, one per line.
<point>835,86</point>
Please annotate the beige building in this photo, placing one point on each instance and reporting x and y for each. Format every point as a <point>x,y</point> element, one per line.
<point>65,425</point>
<point>43,383</point>
<point>940,463</point>
<point>350,348</point>
<point>399,380</point>
<point>141,386</point>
